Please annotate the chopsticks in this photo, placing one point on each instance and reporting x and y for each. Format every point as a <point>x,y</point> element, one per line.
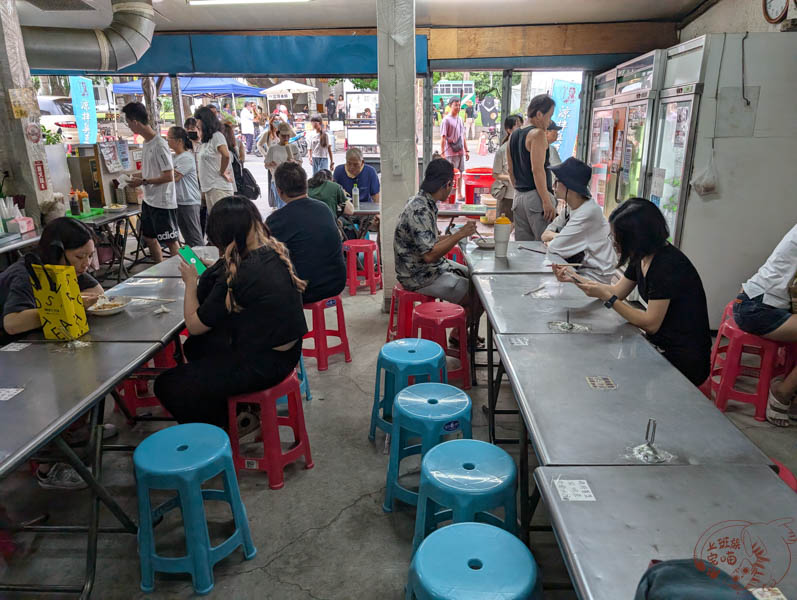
<point>532,250</point>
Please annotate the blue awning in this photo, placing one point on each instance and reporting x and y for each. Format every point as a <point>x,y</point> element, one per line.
<point>195,86</point>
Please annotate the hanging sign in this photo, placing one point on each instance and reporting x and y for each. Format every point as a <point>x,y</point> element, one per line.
<point>41,178</point>
<point>23,102</point>
<point>84,108</point>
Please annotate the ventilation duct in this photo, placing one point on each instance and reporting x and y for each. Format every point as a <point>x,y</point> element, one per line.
<point>119,45</point>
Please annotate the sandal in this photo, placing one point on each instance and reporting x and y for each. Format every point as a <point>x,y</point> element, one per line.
<point>777,411</point>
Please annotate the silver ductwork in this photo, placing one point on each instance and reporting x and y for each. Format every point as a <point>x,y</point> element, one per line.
<point>119,45</point>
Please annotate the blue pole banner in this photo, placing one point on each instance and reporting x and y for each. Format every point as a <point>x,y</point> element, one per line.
<point>566,95</point>
<point>84,108</point>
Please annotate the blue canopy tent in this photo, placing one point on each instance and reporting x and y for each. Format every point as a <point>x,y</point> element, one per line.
<point>195,86</point>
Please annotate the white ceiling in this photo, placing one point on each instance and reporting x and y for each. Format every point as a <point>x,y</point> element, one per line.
<point>177,15</point>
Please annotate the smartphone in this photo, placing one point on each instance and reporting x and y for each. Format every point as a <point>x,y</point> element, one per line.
<point>191,258</point>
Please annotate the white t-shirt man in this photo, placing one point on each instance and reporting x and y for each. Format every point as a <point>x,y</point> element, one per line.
<point>585,231</point>
<point>247,121</point>
<point>773,278</point>
<point>156,159</point>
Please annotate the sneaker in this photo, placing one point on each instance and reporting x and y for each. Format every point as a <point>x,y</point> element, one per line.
<point>61,477</point>
<point>247,423</point>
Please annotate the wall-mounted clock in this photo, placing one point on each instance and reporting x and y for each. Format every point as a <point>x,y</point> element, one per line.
<point>775,10</point>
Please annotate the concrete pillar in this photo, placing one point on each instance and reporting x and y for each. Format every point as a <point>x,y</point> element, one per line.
<point>395,23</point>
<point>177,101</point>
<point>150,90</point>
<point>506,98</point>
<point>21,148</point>
<point>428,120</point>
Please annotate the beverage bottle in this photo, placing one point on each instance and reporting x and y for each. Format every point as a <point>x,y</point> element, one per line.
<point>355,197</point>
<point>74,207</point>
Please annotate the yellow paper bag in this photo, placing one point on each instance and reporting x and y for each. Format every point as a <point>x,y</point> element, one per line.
<point>58,300</point>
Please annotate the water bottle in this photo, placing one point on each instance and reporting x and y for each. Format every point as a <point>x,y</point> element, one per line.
<point>355,197</point>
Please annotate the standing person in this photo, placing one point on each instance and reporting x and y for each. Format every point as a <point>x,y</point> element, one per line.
<point>528,161</point>
<point>281,152</point>
<point>552,134</point>
<point>442,109</point>
<point>762,308</point>
<point>331,105</point>
<point>244,315</point>
<point>470,128</point>
<point>234,145</point>
<point>321,187</point>
<point>248,125</point>
<point>320,148</point>
<point>676,318</point>
<point>341,108</point>
<point>501,168</point>
<point>215,174</point>
<point>453,145</point>
<point>193,133</point>
<point>159,212</point>
<point>186,186</point>
<point>356,172</point>
<point>311,234</point>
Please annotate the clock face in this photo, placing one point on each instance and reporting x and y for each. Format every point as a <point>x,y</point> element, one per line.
<point>775,10</point>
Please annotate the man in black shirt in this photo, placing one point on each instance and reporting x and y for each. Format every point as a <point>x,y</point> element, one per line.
<point>330,105</point>
<point>307,227</point>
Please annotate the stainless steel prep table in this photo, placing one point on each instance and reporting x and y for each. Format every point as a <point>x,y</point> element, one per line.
<point>60,382</point>
<point>645,513</point>
<point>25,239</point>
<point>168,268</point>
<point>103,223</point>
<point>516,261</point>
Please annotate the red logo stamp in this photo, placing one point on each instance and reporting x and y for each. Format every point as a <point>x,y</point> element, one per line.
<point>756,555</point>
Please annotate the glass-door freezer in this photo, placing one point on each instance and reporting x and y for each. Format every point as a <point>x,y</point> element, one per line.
<point>673,155</point>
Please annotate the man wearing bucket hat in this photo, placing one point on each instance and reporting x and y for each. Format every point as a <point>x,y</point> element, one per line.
<point>580,233</point>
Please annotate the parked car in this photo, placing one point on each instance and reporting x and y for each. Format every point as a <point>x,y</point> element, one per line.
<point>57,116</point>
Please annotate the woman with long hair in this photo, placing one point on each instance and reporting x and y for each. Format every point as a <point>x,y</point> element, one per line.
<point>186,186</point>
<point>676,317</point>
<point>244,315</point>
<point>215,174</point>
<point>320,146</point>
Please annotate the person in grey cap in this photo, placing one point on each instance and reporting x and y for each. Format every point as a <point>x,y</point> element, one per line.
<point>553,135</point>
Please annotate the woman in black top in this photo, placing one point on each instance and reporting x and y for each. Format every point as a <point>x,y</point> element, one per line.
<point>676,319</point>
<point>244,315</point>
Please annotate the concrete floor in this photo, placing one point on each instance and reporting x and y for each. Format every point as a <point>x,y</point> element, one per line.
<point>324,535</point>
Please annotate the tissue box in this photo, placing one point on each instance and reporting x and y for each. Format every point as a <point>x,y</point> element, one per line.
<point>20,225</point>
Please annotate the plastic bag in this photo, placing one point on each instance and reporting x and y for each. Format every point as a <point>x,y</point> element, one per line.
<point>704,182</point>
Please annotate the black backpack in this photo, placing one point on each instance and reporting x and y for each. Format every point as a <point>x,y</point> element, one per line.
<point>244,180</point>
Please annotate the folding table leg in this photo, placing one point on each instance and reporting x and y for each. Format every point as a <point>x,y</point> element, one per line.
<point>525,506</point>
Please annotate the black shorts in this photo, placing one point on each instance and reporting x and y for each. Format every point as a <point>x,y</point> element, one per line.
<point>159,224</point>
<point>753,316</point>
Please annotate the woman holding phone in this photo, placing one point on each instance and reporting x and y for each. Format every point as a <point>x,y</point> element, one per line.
<point>244,315</point>
<point>676,318</point>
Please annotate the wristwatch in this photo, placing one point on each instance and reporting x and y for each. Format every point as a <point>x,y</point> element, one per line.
<point>610,302</point>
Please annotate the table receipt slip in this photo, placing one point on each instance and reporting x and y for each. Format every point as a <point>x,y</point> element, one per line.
<point>192,259</point>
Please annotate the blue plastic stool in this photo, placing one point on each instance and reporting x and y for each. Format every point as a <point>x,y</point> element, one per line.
<point>473,560</point>
<point>462,480</point>
<point>182,458</point>
<point>400,360</point>
<point>429,411</point>
<point>304,384</point>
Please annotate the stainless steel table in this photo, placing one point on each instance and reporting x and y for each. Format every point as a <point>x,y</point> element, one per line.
<point>138,322</point>
<point>25,239</point>
<point>60,382</point>
<point>526,303</point>
<point>645,513</point>
<point>517,260</point>
<point>443,210</point>
<point>117,239</point>
<point>168,268</point>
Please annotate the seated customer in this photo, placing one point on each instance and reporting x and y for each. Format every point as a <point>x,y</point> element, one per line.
<point>310,233</point>
<point>64,241</point>
<point>356,172</point>
<point>244,315</point>
<point>420,251</point>
<point>580,233</point>
<point>762,308</point>
<point>676,319</point>
<point>321,187</point>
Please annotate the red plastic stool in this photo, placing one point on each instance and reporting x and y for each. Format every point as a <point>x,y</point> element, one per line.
<point>401,304</point>
<point>726,366</point>
<point>785,474</point>
<point>371,273</point>
<point>274,459</point>
<point>319,333</point>
<point>456,255</point>
<point>434,320</point>
<point>133,391</point>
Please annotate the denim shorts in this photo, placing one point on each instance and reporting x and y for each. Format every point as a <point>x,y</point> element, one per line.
<point>753,316</point>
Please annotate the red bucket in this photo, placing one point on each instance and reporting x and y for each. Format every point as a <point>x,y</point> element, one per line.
<point>477,179</point>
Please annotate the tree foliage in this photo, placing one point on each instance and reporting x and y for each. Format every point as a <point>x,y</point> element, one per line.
<point>360,84</point>
<point>484,82</point>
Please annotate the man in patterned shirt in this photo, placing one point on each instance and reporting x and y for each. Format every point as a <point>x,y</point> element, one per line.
<point>420,251</point>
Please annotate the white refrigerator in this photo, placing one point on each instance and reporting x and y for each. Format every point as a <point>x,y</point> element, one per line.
<point>733,96</point>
